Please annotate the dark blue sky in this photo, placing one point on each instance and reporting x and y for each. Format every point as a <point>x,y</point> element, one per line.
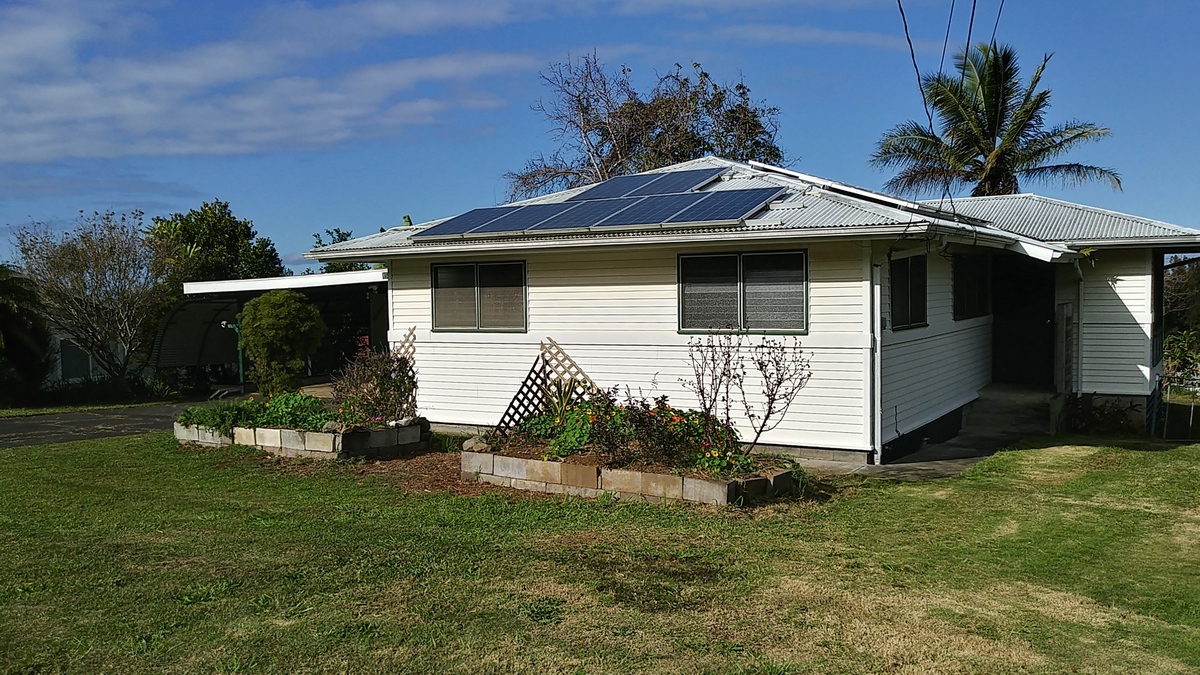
<point>307,116</point>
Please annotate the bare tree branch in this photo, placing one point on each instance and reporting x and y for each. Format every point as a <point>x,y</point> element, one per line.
<point>98,283</point>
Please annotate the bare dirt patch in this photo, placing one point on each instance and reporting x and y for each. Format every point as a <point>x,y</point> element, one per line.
<point>420,473</point>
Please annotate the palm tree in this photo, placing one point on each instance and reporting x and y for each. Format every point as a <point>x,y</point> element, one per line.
<point>24,336</point>
<point>992,133</point>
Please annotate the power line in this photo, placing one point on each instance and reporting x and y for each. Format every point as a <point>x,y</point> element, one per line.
<point>946,40</point>
<point>970,29</point>
<point>997,26</point>
<point>912,52</point>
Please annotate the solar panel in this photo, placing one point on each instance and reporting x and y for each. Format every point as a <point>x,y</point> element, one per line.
<point>726,205</point>
<point>586,214</point>
<point>466,222</point>
<point>653,210</point>
<point>616,187</point>
<point>524,217</point>
<point>677,181</point>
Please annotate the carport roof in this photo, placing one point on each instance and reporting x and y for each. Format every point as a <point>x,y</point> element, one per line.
<point>1062,222</point>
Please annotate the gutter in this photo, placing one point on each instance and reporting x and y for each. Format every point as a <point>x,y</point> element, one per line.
<point>986,237</point>
<point>1184,240</point>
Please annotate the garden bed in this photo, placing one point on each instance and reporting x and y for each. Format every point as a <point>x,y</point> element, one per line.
<point>358,444</point>
<point>585,476</point>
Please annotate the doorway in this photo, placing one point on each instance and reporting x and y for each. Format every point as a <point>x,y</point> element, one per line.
<point>1023,322</point>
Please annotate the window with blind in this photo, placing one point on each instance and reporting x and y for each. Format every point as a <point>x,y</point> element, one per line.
<point>909,280</point>
<point>751,292</point>
<point>972,285</point>
<point>479,296</point>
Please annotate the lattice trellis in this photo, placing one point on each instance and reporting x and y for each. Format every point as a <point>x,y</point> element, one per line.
<point>551,369</point>
<point>407,349</point>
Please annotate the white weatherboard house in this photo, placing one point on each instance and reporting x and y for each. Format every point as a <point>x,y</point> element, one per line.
<point>908,309</point>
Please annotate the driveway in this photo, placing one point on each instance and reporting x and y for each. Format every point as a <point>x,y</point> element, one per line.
<point>76,426</point>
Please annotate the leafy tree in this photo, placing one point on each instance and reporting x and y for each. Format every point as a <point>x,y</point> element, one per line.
<point>98,283</point>
<point>336,236</point>
<point>992,133</point>
<point>1181,294</point>
<point>25,338</point>
<point>606,128</point>
<point>211,244</point>
<point>280,330</point>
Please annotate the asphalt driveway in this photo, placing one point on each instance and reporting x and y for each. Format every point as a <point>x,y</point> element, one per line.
<point>76,426</point>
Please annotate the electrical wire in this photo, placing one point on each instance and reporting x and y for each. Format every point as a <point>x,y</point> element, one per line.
<point>912,52</point>
<point>946,40</point>
<point>997,25</point>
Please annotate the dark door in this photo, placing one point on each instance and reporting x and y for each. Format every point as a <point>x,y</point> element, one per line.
<point>1023,321</point>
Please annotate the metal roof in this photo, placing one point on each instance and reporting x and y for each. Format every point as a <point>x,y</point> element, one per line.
<point>815,205</point>
<point>1054,220</point>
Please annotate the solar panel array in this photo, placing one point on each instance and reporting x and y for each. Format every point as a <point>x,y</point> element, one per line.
<point>622,202</point>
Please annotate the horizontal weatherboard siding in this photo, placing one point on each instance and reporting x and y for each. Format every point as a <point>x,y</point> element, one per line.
<point>615,314</point>
<point>1116,316</point>
<point>930,371</point>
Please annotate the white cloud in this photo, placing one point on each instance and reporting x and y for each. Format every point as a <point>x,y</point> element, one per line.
<point>103,78</point>
<point>785,34</point>
<point>262,90</point>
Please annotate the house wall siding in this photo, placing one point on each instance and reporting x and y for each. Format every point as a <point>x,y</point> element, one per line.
<point>615,312</point>
<point>930,371</point>
<point>1116,315</point>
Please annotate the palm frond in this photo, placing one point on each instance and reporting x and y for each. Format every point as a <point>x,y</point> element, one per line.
<point>907,143</point>
<point>1050,143</point>
<point>924,179</point>
<point>1072,175</point>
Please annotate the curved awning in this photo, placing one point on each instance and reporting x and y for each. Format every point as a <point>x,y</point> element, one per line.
<point>191,334</point>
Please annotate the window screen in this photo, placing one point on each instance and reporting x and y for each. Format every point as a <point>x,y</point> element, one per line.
<point>749,292</point>
<point>454,296</point>
<point>485,296</point>
<point>709,292</point>
<point>972,285</point>
<point>502,295</point>
<point>773,291</point>
<point>908,290</point>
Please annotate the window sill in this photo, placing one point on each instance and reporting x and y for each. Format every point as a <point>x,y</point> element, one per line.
<point>909,326</point>
<point>703,331</point>
<point>479,330</point>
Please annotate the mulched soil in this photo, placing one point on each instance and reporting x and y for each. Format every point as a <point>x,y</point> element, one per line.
<point>426,472</point>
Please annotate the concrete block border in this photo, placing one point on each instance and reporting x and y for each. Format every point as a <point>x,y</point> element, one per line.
<point>374,444</point>
<point>589,481</point>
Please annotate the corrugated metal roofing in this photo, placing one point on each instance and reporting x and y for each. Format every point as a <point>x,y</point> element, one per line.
<point>820,210</point>
<point>815,204</point>
<point>1054,220</point>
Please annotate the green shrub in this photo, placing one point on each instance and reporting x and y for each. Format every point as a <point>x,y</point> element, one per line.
<point>287,411</point>
<point>375,388</point>
<point>640,431</point>
<point>280,330</point>
<point>1181,355</point>
<point>223,416</point>
<point>294,411</point>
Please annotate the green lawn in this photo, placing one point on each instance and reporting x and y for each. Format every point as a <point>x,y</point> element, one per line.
<point>136,555</point>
